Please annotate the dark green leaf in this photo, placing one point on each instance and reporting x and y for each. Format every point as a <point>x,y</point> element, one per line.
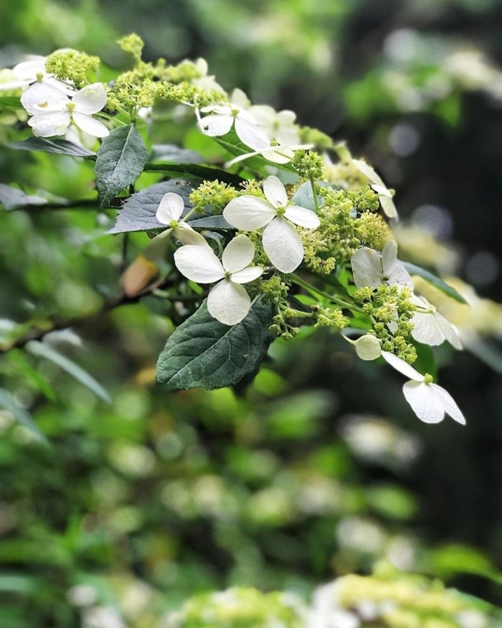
<point>175,154</point>
<point>435,281</point>
<point>204,352</point>
<point>14,197</point>
<point>138,212</point>
<point>43,350</point>
<point>58,147</point>
<point>20,414</point>
<point>10,102</point>
<point>119,163</point>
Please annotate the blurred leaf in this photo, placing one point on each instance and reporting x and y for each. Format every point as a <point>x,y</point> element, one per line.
<point>11,197</point>
<point>435,281</point>
<point>170,152</point>
<point>392,501</point>
<point>119,162</point>
<point>42,350</point>
<point>10,102</point>
<point>450,560</point>
<point>138,212</point>
<point>138,275</point>
<point>204,352</point>
<point>20,414</point>
<point>58,147</point>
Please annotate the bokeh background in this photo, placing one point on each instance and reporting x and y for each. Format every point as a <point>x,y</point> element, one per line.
<point>320,468</point>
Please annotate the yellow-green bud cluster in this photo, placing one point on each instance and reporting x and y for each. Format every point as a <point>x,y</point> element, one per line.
<point>212,196</point>
<point>73,66</point>
<point>308,165</point>
<point>327,317</point>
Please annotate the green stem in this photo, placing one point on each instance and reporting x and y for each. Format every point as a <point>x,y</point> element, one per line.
<point>316,204</point>
<point>333,299</point>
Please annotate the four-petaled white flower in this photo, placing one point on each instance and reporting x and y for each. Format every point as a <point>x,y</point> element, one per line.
<point>370,269</point>
<point>431,327</point>
<point>429,401</point>
<point>278,125</point>
<point>378,186</point>
<point>169,213</point>
<point>53,111</point>
<point>281,242</point>
<point>223,116</point>
<point>227,301</point>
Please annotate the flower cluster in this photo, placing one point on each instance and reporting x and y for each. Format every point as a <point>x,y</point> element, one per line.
<point>266,221</point>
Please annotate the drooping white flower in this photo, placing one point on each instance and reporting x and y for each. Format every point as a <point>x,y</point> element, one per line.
<point>429,401</point>
<point>384,194</point>
<point>367,347</point>
<point>227,301</point>
<point>278,125</point>
<point>169,213</point>
<point>53,111</point>
<point>281,242</point>
<point>223,116</point>
<point>431,327</point>
<point>370,268</point>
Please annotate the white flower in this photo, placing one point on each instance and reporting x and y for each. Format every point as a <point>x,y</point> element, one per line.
<point>276,153</point>
<point>205,81</point>
<point>281,242</point>
<point>431,327</point>
<point>367,347</point>
<point>224,115</point>
<point>429,401</point>
<point>30,71</point>
<point>169,213</point>
<point>379,187</point>
<point>228,301</point>
<point>278,125</point>
<point>53,111</point>
<point>371,269</point>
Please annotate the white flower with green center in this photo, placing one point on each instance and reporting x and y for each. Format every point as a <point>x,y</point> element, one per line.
<point>281,241</point>
<point>223,116</point>
<point>378,186</point>
<point>53,111</point>
<point>227,301</point>
<point>371,269</point>
<point>431,327</point>
<point>429,401</point>
<point>169,213</point>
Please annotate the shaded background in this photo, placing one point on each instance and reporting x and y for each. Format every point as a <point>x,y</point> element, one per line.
<point>320,468</point>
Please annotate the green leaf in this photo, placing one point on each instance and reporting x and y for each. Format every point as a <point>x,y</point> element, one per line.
<point>119,163</point>
<point>175,154</point>
<point>304,196</point>
<point>138,212</point>
<point>20,414</point>
<point>196,171</point>
<point>435,281</point>
<point>10,102</point>
<point>11,197</point>
<point>204,352</point>
<point>58,147</point>
<point>43,350</point>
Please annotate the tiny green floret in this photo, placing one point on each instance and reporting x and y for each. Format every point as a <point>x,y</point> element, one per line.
<point>133,45</point>
<point>72,66</point>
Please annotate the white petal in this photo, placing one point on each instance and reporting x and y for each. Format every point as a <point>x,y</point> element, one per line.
<point>247,274</point>
<point>90,125</point>
<point>90,99</point>
<point>283,245</point>
<point>238,254</point>
<point>389,209</point>
<point>400,277</point>
<point>170,208</point>
<point>381,190</point>
<point>198,263</point>
<point>302,216</point>
<point>239,98</point>
<point>248,213</point>
<point>216,125</point>
<point>275,191</point>
<point>389,257</point>
<point>367,268</point>
<point>426,403</point>
<point>249,132</point>
<point>187,235</point>
<point>368,347</point>
<point>228,302</point>
<point>402,366</point>
<point>426,329</point>
<point>450,333</point>
<point>368,171</point>
<point>41,98</point>
<point>449,404</point>
<point>49,124</point>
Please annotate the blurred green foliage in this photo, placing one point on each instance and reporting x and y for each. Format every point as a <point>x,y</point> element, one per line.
<point>134,506</point>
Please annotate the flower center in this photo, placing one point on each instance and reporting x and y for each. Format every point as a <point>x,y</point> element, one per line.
<point>71,107</point>
<point>173,224</point>
<point>428,379</point>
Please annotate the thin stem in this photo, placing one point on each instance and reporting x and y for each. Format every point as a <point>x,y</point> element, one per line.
<point>333,299</point>
<point>314,193</point>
